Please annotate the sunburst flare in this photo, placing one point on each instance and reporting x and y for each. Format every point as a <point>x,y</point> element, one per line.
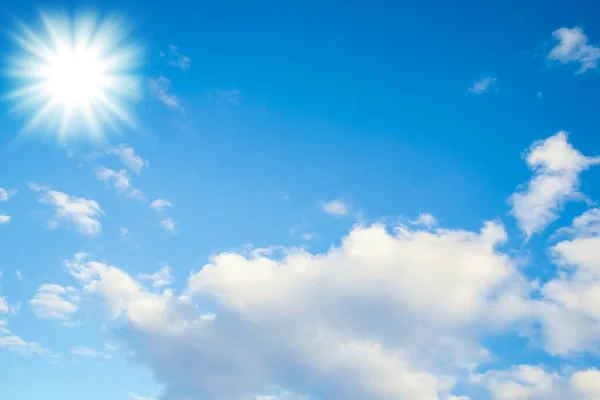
<point>75,77</point>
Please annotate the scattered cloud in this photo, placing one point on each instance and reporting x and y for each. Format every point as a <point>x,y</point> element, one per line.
<point>336,208</point>
<point>178,60</point>
<point>426,220</point>
<point>3,305</point>
<point>83,351</point>
<point>121,182</point>
<point>3,329</point>
<point>573,47</point>
<point>133,396</point>
<point>483,85</point>
<point>160,278</point>
<point>4,219</point>
<point>169,225</point>
<point>6,194</point>
<point>18,275</point>
<point>18,345</point>
<point>228,98</point>
<point>159,88</point>
<point>556,166</point>
<point>533,382</point>
<point>160,204</point>
<point>80,213</point>
<point>129,158</point>
<point>123,232</point>
<point>54,302</point>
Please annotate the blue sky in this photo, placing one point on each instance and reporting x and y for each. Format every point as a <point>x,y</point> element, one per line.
<point>315,200</point>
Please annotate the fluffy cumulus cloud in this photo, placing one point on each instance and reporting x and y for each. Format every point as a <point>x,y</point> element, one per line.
<point>81,214</point>
<point>4,219</point>
<point>54,302</point>
<point>556,165</point>
<point>121,182</point>
<point>573,47</point>
<point>363,320</point>
<point>129,158</point>
<point>528,382</point>
<point>570,313</point>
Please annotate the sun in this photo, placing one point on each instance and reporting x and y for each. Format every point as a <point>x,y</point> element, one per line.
<point>75,77</point>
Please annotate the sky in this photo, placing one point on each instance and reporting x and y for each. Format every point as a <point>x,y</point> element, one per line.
<point>299,200</point>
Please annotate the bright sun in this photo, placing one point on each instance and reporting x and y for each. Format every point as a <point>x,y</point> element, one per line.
<point>75,77</point>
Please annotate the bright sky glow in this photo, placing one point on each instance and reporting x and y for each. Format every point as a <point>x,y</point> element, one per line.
<point>75,76</point>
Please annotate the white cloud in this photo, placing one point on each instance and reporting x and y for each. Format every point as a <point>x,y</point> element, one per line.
<point>160,278</point>
<point>134,396</point>
<point>178,60</point>
<point>123,232</point>
<point>18,275</point>
<point>4,219</point>
<point>160,204</point>
<point>5,194</point>
<point>169,225</point>
<point>84,351</point>
<point>120,180</point>
<point>159,87</point>
<point>483,85</point>
<point>426,220</point>
<point>80,213</point>
<point>573,47</point>
<point>3,329</point>
<point>336,208</point>
<point>3,305</point>
<point>128,157</point>
<point>569,313</point>
<point>17,344</point>
<point>54,302</point>
<point>529,382</point>
<point>556,165</point>
<point>362,315</point>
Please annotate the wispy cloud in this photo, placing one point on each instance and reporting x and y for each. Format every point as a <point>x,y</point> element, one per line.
<point>6,194</point>
<point>336,208</point>
<point>427,220</point>
<point>483,85</point>
<point>227,98</point>
<point>82,214</point>
<point>121,182</point>
<point>84,351</point>
<point>160,278</point>
<point>573,47</point>
<point>129,158</point>
<point>169,225</point>
<point>159,88</point>
<point>178,60</point>
<point>4,219</point>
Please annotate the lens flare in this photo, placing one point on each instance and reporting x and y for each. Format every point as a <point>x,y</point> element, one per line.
<point>75,76</point>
